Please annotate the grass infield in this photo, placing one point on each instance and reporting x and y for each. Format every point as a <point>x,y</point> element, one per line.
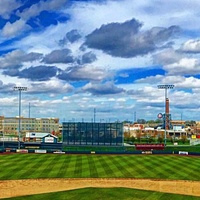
<point>29,166</point>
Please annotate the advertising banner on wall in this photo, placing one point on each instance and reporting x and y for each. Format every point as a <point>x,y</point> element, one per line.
<point>40,151</point>
<point>22,151</point>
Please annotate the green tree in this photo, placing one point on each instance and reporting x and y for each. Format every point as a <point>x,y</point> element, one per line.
<point>132,139</point>
<point>150,139</point>
<point>158,121</point>
<point>183,138</point>
<point>138,136</point>
<point>141,121</point>
<point>190,123</point>
<point>172,139</point>
<point>126,137</point>
<point>160,139</point>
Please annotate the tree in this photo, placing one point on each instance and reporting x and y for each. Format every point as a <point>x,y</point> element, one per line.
<point>126,137</point>
<point>160,139</point>
<point>172,139</point>
<point>151,122</point>
<point>158,121</point>
<point>141,121</point>
<point>132,139</point>
<point>138,136</point>
<point>150,139</point>
<point>190,123</point>
<point>183,138</point>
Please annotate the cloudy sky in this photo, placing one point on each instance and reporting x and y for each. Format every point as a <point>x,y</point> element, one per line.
<point>77,56</point>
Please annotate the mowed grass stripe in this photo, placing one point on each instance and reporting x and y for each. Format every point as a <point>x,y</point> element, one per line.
<point>32,167</point>
<point>185,163</point>
<point>64,166</point>
<point>108,172</point>
<point>98,165</point>
<point>148,167</point>
<point>70,170</point>
<point>135,163</point>
<point>127,163</point>
<point>161,167</point>
<point>156,167</point>
<point>16,170</point>
<point>56,165</point>
<point>46,168</point>
<point>78,166</point>
<point>171,167</point>
<point>117,162</point>
<point>67,166</point>
<point>136,166</point>
<point>92,167</point>
<point>113,167</point>
<point>85,173</point>
<point>13,168</point>
<point>189,167</point>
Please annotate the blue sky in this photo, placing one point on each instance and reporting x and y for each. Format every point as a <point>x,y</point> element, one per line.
<point>109,55</point>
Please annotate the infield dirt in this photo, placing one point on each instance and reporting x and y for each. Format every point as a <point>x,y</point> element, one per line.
<point>13,188</point>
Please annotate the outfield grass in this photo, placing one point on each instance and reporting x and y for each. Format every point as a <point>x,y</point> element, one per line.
<point>106,194</point>
<point>26,166</point>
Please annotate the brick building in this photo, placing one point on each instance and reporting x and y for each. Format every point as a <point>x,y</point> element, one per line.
<point>9,125</point>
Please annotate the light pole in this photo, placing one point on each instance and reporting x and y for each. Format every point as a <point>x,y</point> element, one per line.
<point>165,87</point>
<point>20,89</point>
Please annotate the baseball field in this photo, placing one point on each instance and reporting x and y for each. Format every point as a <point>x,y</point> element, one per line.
<point>23,174</point>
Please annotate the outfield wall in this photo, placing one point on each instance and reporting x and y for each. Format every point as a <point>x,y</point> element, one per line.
<point>138,152</point>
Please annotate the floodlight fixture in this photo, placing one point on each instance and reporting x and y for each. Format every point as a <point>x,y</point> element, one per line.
<point>166,87</point>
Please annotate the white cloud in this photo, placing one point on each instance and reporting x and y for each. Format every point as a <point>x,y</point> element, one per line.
<point>44,41</point>
<point>52,86</point>
<point>35,9</point>
<point>190,82</point>
<point>14,29</point>
<point>16,58</point>
<point>167,56</point>
<point>151,13</point>
<point>86,17</point>
<point>7,7</point>
<point>185,66</point>
<point>191,46</point>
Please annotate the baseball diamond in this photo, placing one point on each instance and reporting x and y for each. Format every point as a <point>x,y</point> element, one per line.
<point>27,167</point>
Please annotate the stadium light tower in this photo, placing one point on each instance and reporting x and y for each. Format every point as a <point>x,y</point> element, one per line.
<point>166,116</point>
<point>20,89</point>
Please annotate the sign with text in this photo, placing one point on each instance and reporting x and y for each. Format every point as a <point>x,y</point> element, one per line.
<point>40,151</point>
<point>49,139</point>
<point>149,147</point>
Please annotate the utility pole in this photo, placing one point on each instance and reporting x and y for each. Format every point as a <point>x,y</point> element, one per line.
<point>29,110</point>
<point>94,114</point>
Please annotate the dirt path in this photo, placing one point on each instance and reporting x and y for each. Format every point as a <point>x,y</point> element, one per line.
<point>13,188</point>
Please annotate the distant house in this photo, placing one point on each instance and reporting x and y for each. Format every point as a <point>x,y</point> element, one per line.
<point>40,137</point>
